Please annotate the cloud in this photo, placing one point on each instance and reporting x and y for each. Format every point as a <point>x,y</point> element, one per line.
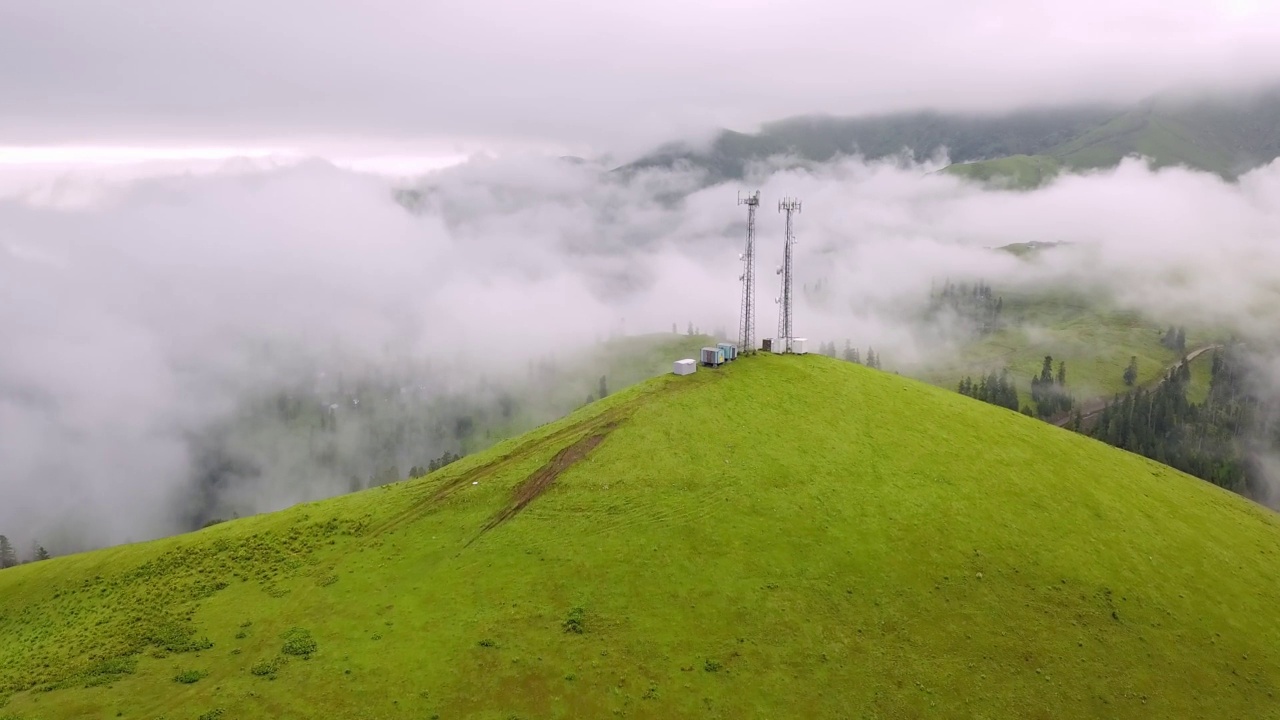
<point>583,75</point>
<point>141,324</point>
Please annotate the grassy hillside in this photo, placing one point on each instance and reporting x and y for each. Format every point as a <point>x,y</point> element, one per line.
<point>572,380</point>
<point>964,137</point>
<point>1096,342</point>
<point>1226,138</point>
<point>1161,138</point>
<point>1223,135</point>
<point>1016,172</point>
<point>786,537</point>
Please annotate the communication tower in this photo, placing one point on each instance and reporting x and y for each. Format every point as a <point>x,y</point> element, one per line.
<point>789,206</point>
<point>747,319</point>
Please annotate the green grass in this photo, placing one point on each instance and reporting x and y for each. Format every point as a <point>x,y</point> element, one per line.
<point>1095,340</point>
<point>1165,136</point>
<point>1015,172</point>
<point>785,537</point>
<point>1160,138</point>
<point>623,361</point>
<point>1201,375</point>
<point>1030,250</point>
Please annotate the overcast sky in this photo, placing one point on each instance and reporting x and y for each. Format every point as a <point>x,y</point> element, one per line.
<point>442,78</point>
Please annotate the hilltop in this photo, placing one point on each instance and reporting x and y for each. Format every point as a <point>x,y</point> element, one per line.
<point>1020,149</point>
<point>787,536</point>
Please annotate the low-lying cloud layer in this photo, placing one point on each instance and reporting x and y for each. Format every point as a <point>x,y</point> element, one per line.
<point>586,74</point>
<point>140,318</point>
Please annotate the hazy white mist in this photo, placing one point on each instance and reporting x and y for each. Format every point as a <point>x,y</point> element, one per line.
<point>140,315</point>
<point>583,76</point>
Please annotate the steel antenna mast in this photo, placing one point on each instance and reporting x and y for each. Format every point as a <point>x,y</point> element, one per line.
<point>747,319</point>
<point>785,331</point>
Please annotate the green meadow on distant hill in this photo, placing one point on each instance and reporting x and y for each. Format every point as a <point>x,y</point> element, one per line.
<point>1095,340</point>
<point>783,537</point>
<point>1016,150</point>
<point>1018,172</point>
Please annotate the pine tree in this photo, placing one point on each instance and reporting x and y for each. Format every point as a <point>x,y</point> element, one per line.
<point>1062,374</point>
<point>1131,372</point>
<point>41,553</point>
<point>674,331</point>
<point>8,558</point>
<point>850,354</point>
<point>1180,341</point>
<point>690,332</point>
<point>604,388</point>
<point>857,357</point>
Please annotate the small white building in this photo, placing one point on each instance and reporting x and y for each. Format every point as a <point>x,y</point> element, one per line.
<point>797,346</point>
<point>684,367</point>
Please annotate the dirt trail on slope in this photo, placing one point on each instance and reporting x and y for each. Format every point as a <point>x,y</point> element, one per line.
<point>1092,408</point>
<point>542,478</point>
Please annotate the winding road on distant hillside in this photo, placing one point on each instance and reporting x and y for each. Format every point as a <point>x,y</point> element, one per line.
<point>1091,408</point>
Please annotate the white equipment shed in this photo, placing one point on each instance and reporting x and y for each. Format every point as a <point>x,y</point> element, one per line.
<point>684,367</point>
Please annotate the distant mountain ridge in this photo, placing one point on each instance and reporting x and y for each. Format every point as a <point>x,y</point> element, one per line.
<point>1025,148</point>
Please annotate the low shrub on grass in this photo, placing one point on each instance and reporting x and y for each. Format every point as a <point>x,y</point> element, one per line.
<point>574,623</point>
<point>267,668</point>
<point>298,642</point>
<point>187,677</point>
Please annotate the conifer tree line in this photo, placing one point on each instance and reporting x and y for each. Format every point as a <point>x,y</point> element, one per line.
<point>1175,338</point>
<point>851,354</point>
<point>1048,390</point>
<point>1214,440</point>
<point>445,459</point>
<point>975,303</point>
<point>9,556</point>
<point>997,389</point>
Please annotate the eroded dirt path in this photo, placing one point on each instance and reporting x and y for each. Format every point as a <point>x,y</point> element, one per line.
<point>542,478</point>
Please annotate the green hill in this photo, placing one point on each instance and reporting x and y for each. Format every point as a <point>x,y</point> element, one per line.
<point>1095,339</point>
<point>1161,139</point>
<point>1015,172</point>
<point>1226,139</point>
<point>785,537</point>
<point>919,135</point>
<point>1223,135</point>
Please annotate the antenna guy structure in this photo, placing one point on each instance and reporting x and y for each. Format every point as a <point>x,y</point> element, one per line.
<point>785,332</point>
<point>747,320</point>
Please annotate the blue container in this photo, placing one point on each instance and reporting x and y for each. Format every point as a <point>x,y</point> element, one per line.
<point>730,351</point>
<point>712,356</point>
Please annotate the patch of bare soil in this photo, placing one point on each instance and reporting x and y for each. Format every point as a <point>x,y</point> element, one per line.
<point>542,478</point>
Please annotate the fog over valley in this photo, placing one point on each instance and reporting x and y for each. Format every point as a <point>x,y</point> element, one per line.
<point>253,255</point>
<point>144,323</point>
